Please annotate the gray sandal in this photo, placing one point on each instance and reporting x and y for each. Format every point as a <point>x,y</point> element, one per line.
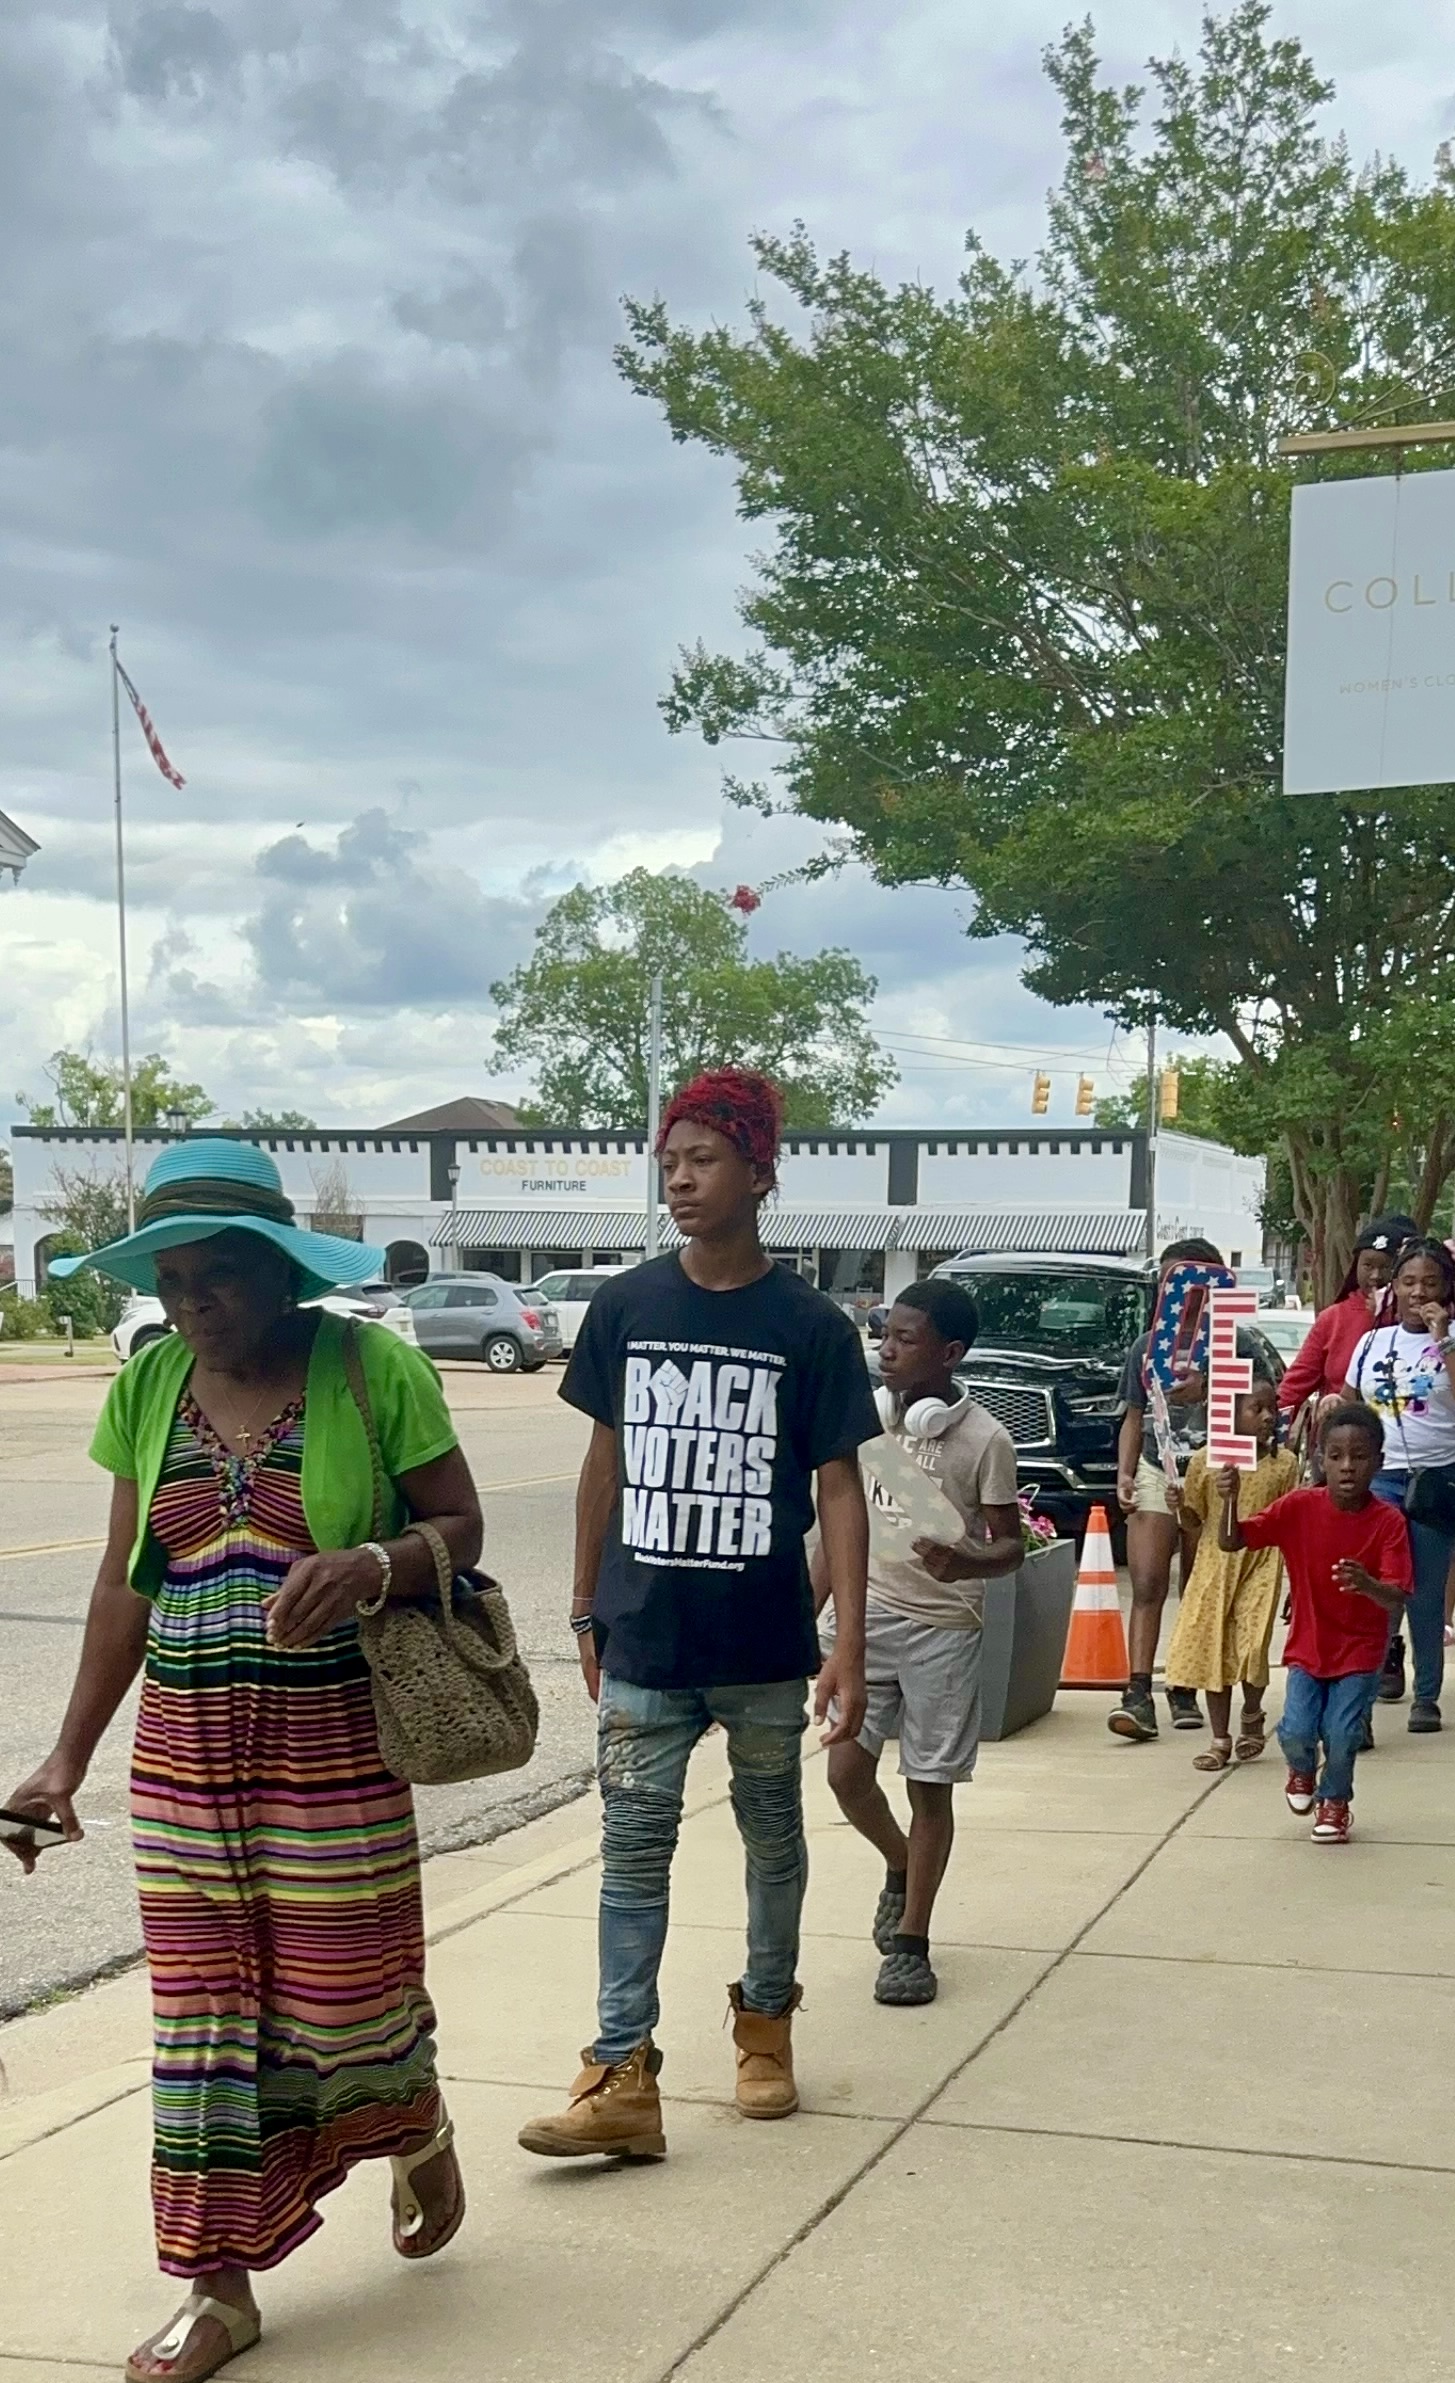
<point>905,1978</point>
<point>888,1918</point>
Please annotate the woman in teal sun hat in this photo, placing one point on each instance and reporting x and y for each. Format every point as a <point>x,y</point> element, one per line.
<point>276,1856</point>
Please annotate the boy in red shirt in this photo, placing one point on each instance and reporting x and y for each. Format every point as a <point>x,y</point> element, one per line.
<point>1348,1558</point>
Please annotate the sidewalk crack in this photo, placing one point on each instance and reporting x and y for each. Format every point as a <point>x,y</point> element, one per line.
<point>902,2127</point>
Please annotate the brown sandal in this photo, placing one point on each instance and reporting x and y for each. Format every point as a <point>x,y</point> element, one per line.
<point>1217,1756</point>
<point>1252,1737</point>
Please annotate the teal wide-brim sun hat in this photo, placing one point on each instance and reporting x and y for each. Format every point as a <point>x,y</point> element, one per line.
<point>200,1188</point>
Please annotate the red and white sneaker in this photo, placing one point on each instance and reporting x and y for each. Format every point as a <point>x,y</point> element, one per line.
<point>1333,1823</point>
<point>1301,1792</point>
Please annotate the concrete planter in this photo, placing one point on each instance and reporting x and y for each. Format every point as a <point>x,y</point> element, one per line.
<point>1027,1616</point>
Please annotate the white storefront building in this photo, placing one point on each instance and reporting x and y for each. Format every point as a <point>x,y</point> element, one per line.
<point>859,1212</point>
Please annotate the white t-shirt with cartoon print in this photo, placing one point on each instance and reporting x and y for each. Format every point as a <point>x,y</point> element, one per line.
<point>1402,1376</point>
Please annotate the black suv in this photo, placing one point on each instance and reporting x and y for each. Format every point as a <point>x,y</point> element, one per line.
<point>1054,1333</point>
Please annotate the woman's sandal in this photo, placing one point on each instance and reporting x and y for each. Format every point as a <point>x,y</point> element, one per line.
<point>243,2327</point>
<point>1217,1756</point>
<point>409,2212</point>
<point>1252,1737</point>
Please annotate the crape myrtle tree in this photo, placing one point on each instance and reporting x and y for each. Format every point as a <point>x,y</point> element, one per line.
<point>576,1014</point>
<point>1018,622</point>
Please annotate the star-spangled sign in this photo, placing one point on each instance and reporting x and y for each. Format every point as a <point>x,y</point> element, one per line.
<point>1228,1377</point>
<point>1178,1344</point>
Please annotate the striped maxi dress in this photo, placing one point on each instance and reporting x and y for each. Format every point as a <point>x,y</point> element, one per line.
<point>279,1878</point>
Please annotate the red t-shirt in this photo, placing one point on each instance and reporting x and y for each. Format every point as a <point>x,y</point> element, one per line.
<point>1335,1631</point>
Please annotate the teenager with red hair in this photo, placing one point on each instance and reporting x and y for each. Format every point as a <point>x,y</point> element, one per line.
<point>727,1399</point>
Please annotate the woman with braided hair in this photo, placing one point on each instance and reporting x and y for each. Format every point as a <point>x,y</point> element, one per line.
<point>1405,1370</point>
<point>276,1855</point>
<point>727,1397</point>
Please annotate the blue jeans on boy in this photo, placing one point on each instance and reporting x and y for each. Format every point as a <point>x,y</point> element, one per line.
<point>1430,1557</point>
<point>1333,1711</point>
<point>645,1739</point>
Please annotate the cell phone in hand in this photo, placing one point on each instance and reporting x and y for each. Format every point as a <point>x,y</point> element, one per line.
<point>15,1827</point>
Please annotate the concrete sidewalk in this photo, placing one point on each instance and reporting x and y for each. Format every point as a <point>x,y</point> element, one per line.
<point>1186,2101</point>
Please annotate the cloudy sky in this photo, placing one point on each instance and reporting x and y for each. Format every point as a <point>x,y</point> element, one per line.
<point>307,308</point>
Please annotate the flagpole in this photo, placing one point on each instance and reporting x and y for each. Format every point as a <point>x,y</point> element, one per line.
<point>126,1116</point>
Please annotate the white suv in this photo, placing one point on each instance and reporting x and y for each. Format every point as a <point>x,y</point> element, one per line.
<point>144,1318</point>
<point>571,1293</point>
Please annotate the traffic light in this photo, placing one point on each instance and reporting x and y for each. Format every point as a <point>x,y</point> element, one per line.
<point>1085,1096</point>
<point>1041,1096</point>
<point>1167,1103</point>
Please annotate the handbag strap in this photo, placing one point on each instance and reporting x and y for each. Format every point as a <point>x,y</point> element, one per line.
<point>444,1563</point>
<point>358,1384</point>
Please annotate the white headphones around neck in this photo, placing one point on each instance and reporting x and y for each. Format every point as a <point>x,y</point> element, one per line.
<point>926,1419</point>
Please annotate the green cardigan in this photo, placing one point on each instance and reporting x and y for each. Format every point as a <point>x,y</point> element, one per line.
<point>410,1417</point>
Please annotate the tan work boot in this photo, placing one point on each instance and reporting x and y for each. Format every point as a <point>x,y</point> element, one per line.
<point>765,2058</point>
<point>615,2109</point>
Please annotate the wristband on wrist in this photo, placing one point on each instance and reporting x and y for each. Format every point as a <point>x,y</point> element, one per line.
<point>581,1623</point>
<point>372,1605</point>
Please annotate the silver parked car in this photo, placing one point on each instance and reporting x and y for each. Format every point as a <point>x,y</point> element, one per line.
<point>482,1315</point>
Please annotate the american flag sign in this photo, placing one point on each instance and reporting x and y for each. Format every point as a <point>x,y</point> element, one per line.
<point>154,742</point>
<point>1228,1376</point>
<point>1178,1344</point>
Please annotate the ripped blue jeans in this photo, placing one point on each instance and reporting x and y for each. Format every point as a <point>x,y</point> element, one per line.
<point>644,1742</point>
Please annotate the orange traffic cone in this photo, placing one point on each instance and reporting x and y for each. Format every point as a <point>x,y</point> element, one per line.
<point>1096,1645</point>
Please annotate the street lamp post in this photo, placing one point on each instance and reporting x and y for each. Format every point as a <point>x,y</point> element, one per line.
<point>453,1171</point>
<point>178,1120</point>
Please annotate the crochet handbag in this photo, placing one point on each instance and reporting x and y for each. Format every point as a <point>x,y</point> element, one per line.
<point>452,1697</point>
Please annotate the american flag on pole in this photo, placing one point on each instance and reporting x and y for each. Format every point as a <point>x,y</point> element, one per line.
<point>154,742</point>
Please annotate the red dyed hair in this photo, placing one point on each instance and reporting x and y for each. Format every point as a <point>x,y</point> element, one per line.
<point>744,1107</point>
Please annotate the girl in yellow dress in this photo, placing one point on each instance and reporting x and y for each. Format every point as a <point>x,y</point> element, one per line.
<point>1228,1605</point>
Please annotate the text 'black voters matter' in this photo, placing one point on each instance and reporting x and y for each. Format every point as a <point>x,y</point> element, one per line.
<point>699,1441</point>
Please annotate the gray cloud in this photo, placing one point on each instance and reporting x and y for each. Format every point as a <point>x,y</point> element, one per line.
<point>372,923</point>
<point>305,378</point>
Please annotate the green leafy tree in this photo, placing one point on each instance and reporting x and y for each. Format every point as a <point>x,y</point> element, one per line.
<point>1019,625</point>
<point>7,1182</point>
<point>277,1121</point>
<point>1202,1106</point>
<point>575,1014</point>
<point>92,1301</point>
<point>88,1091</point>
<point>88,1207</point>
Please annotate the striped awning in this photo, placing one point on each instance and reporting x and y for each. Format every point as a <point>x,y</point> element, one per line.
<point>1088,1233</point>
<point>1043,1232</point>
<point>541,1228</point>
<point>828,1228</point>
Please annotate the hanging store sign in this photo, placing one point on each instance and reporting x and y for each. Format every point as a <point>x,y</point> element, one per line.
<point>1370,692</point>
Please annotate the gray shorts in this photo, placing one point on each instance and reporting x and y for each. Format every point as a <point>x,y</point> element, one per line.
<point>924,1690</point>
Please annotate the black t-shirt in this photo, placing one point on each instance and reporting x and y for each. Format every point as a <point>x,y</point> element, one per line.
<point>724,1403</point>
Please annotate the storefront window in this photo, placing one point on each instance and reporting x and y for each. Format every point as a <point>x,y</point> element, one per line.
<point>504,1262</point>
<point>844,1273</point>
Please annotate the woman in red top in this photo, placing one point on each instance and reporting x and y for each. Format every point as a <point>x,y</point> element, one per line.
<point>1321,1367</point>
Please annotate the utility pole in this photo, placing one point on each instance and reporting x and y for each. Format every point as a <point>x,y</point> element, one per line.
<point>654,1108</point>
<point>1153,1105</point>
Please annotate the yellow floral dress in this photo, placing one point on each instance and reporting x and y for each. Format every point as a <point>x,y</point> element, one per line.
<point>1228,1606</point>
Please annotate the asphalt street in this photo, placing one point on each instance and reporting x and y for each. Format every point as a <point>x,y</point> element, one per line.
<point>77,1916</point>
